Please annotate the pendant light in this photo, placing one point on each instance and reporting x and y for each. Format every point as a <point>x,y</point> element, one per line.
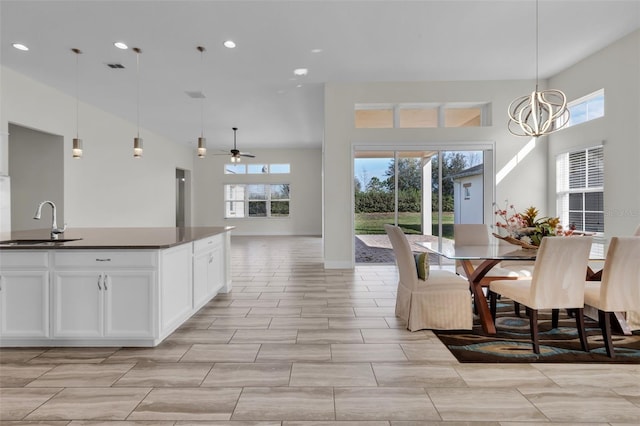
<point>202,142</point>
<point>541,112</point>
<point>137,141</point>
<point>77,142</point>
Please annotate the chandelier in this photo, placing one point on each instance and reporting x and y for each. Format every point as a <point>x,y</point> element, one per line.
<point>541,112</point>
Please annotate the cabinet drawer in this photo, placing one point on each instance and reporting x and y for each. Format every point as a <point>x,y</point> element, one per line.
<point>207,243</point>
<point>105,259</point>
<point>24,259</point>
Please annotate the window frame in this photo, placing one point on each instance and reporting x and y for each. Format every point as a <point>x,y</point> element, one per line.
<point>247,200</point>
<point>564,191</point>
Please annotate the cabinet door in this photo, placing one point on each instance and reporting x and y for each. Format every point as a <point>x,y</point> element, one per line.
<point>128,303</point>
<point>215,270</point>
<point>200,279</point>
<point>24,304</point>
<point>77,304</point>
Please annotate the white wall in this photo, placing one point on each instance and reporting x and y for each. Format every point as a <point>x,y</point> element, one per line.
<point>616,69</point>
<point>525,176</point>
<point>108,187</point>
<point>305,186</point>
<point>469,210</point>
<point>37,174</point>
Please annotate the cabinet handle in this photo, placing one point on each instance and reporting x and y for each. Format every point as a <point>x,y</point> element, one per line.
<point>1,278</point>
<point>210,259</point>
<point>99,286</point>
<point>106,278</point>
<point>103,260</point>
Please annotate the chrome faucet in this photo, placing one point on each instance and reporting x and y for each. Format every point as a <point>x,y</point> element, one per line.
<point>54,226</point>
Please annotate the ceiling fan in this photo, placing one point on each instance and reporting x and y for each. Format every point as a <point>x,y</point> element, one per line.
<point>235,152</point>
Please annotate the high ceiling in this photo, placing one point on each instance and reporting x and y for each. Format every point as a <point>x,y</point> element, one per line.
<point>253,86</point>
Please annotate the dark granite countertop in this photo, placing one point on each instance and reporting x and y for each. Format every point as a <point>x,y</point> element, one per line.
<point>109,238</point>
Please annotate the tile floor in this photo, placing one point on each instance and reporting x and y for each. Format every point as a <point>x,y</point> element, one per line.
<point>295,345</point>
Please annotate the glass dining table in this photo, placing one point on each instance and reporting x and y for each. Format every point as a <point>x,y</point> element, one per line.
<point>489,256</point>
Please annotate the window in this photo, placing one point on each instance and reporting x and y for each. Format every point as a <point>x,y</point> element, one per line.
<point>255,169</point>
<point>586,108</point>
<point>421,115</point>
<point>235,169</point>
<point>234,200</point>
<point>256,200</point>
<point>580,189</point>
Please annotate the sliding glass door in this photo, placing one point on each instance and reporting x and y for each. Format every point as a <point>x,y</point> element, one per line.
<point>423,192</point>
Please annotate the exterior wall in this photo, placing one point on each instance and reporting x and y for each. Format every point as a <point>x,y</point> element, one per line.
<point>616,68</point>
<point>468,209</point>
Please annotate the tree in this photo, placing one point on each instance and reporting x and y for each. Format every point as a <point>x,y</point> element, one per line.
<point>357,185</point>
<point>409,172</point>
<point>376,185</point>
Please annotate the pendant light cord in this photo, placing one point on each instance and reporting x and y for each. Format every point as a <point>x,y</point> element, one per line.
<point>537,43</point>
<point>78,52</point>
<point>138,91</point>
<point>201,49</point>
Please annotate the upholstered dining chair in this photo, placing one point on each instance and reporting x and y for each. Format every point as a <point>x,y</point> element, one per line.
<point>619,289</point>
<point>558,282</point>
<point>442,301</point>
<point>478,234</point>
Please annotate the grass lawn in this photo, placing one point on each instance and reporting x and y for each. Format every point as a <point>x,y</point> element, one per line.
<point>373,223</point>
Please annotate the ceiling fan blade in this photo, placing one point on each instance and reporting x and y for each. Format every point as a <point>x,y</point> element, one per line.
<point>246,154</point>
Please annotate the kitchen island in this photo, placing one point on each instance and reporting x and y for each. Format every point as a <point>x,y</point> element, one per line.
<point>108,286</point>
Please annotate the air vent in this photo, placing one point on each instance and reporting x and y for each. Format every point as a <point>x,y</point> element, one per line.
<point>196,95</point>
<point>116,66</point>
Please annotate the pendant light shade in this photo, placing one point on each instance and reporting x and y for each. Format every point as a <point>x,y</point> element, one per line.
<point>202,147</point>
<point>137,141</point>
<point>202,142</point>
<point>76,150</point>
<point>541,112</point>
<point>137,147</point>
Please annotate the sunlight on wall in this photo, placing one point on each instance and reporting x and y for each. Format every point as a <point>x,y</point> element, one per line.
<point>515,160</point>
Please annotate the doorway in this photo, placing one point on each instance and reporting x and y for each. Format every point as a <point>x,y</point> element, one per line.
<point>183,198</point>
<point>422,192</point>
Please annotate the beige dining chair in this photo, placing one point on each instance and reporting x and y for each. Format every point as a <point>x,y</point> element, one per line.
<point>478,234</point>
<point>441,302</point>
<point>558,282</point>
<point>619,289</point>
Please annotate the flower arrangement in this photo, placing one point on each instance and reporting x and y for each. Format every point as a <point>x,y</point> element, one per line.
<point>526,227</point>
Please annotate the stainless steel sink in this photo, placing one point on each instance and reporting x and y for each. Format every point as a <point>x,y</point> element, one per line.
<point>26,242</point>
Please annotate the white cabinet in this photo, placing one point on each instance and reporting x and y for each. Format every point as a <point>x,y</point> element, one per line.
<point>111,303</point>
<point>24,295</point>
<point>208,269</point>
<point>176,289</point>
<point>99,294</point>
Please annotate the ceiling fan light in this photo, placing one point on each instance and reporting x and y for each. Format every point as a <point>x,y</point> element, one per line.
<point>202,147</point>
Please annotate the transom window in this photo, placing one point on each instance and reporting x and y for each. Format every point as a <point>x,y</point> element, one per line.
<point>586,108</point>
<point>421,115</point>
<point>580,189</point>
<point>256,169</point>
<point>256,200</point>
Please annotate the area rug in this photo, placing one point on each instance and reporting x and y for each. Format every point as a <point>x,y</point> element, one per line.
<point>512,343</point>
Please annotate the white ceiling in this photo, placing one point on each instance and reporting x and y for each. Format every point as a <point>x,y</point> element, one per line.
<point>253,86</point>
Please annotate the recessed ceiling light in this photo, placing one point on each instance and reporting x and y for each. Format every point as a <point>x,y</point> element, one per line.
<point>316,50</point>
<point>229,44</point>
<point>300,71</point>
<point>20,46</point>
<point>120,45</point>
<point>299,86</point>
